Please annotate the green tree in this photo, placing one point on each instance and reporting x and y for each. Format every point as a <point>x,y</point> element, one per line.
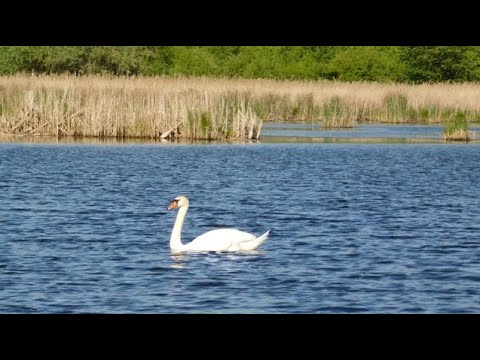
<point>8,60</point>
<point>345,63</point>
<point>159,61</point>
<point>441,63</point>
<point>367,63</point>
<point>258,62</point>
<point>296,62</point>
<point>193,61</point>
<point>116,60</point>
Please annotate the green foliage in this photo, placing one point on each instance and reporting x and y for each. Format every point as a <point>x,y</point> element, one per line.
<point>427,113</point>
<point>335,107</point>
<point>115,60</point>
<point>159,60</point>
<point>193,61</point>
<point>205,121</point>
<point>459,122</point>
<point>457,129</point>
<point>9,62</point>
<point>441,63</point>
<point>396,106</point>
<point>336,113</point>
<point>344,63</point>
<point>447,114</point>
<point>367,63</point>
<point>258,62</point>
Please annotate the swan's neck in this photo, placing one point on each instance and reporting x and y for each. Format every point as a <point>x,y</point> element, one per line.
<point>176,238</point>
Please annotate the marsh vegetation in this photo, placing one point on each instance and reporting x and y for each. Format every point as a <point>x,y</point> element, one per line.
<point>211,108</point>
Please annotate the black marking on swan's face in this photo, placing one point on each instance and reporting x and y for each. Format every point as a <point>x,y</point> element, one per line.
<point>173,204</point>
<point>179,201</point>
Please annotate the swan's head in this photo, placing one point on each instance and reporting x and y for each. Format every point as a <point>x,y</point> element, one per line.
<point>178,202</point>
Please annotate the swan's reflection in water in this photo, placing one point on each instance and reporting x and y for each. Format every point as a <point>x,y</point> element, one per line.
<point>181,259</point>
<point>178,260</point>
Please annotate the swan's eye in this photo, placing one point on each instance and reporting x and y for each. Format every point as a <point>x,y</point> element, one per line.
<point>176,200</point>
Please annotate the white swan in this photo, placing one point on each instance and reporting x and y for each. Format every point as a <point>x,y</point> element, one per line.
<point>214,240</point>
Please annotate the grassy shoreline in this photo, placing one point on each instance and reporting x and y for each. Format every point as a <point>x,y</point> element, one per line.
<point>216,109</point>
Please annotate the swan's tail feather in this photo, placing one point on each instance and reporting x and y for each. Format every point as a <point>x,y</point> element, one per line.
<point>263,237</point>
<point>252,245</point>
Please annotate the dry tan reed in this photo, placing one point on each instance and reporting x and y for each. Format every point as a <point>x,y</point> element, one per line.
<point>206,108</point>
<point>122,107</point>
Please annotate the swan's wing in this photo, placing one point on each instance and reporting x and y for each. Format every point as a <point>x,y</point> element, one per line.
<point>219,240</point>
<point>253,244</point>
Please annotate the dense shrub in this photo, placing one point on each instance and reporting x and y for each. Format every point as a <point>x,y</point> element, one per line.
<point>344,63</point>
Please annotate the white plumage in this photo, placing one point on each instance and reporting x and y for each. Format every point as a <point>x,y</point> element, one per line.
<point>214,240</point>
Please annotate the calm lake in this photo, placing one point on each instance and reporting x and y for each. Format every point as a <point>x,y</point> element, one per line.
<point>355,227</point>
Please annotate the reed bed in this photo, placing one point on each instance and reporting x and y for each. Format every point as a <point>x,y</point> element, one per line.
<point>457,129</point>
<point>208,108</point>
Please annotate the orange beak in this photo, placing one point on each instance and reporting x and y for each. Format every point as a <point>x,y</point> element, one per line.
<point>173,205</point>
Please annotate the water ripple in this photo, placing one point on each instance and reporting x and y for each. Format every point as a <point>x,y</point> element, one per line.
<point>355,228</point>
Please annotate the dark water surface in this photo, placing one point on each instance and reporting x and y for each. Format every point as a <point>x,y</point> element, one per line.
<point>369,228</point>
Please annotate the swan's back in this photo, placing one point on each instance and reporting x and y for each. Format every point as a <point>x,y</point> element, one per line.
<point>226,240</point>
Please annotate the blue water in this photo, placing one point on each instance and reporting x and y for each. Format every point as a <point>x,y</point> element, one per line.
<point>355,228</point>
<point>361,131</point>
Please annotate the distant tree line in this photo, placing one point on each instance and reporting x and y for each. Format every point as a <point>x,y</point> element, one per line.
<point>345,63</point>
